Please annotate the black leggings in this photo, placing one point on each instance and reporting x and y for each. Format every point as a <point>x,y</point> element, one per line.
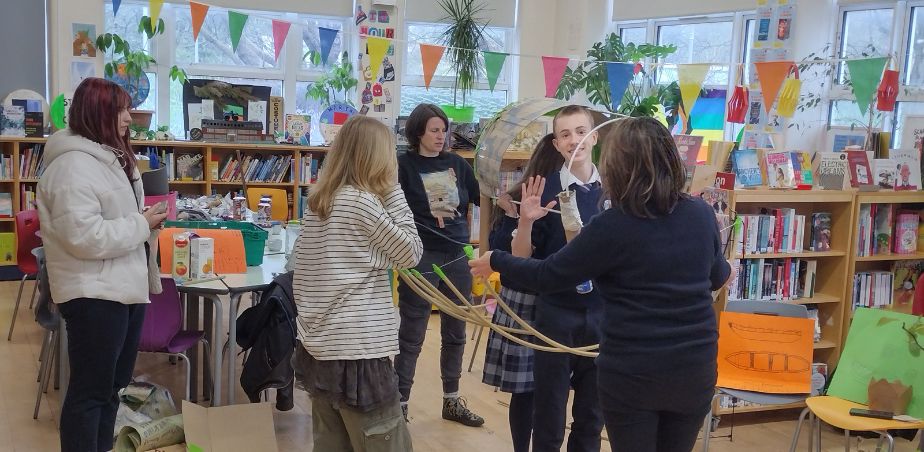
<point>521,420</point>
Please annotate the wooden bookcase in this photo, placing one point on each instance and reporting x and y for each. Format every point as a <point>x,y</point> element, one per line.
<point>14,147</point>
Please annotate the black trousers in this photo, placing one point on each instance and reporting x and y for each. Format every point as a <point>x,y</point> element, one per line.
<point>556,373</point>
<point>656,412</point>
<point>102,343</point>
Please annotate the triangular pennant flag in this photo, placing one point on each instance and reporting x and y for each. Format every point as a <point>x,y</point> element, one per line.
<point>280,31</point>
<point>377,47</point>
<point>198,12</point>
<point>493,63</point>
<point>771,75</point>
<point>115,7</point>
<point>327,37</point>
<point>430,56</point>
<point>236,23</point>
<point>554,69</point>
<point>154,7</point>
<point>865,75</point>
<point>619,75</point>
<point>691,77</point>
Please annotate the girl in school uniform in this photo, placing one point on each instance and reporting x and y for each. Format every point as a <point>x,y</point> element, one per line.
<point>358,226</point>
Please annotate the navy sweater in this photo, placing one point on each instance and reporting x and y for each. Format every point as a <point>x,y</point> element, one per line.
<point>655,277</point>
<point>549,237</point>
<point>438,191</point>
<point>500,239</point>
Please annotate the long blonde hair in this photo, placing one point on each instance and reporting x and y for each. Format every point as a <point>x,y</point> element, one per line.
<point>362,155</point>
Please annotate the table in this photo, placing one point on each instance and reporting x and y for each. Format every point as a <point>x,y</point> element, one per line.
<point>257,279</point>
<point>210,290</point>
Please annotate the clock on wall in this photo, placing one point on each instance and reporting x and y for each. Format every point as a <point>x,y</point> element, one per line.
<point>332,118</point>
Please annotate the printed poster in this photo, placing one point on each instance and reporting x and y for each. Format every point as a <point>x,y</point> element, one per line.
<point>84,44</point>
<point>81,70</point>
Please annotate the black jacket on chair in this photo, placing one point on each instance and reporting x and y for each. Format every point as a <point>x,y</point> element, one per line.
<point>268,330</point>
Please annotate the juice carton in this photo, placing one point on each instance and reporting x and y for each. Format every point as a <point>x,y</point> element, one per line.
<point>202,258</point>
<point>181,255</point>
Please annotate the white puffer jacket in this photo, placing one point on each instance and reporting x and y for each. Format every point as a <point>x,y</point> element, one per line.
<point>91,223</point>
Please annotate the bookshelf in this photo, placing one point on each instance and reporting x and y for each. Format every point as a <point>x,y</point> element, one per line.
<point>833,267</point>
<point>21,182</point>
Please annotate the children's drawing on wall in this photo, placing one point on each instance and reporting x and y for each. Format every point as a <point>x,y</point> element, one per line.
<point>84,39</point>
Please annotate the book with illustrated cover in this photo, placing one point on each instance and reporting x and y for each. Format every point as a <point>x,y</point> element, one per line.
<point>747,167</point>
<point>830,170</point>
<point>13,121</point>
<point>189,167</point>
<point>688,146</point>
<point>298,129</point>
<point>6,205</point>
<point>802,168</point>
<point>859,168</point>
<point>882,228</point>
<point>906,232</point>
<point>779,170</point>
<point>821,231</point>
<point>905,275</point>
<point>907,168</point>
<point>884,173</point>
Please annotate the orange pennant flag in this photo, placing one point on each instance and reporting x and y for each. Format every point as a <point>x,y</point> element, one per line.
<point>771,75</point>
<point>198,12</point>
<point>430,56</point>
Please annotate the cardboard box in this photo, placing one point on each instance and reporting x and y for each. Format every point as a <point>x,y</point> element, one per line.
<point>233,428</point>
<point>201,258</point>
<point>180,266</point>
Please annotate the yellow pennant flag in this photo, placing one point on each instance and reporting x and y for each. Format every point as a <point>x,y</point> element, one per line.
<point>376,48</point>
<point>154,6</point>
<point>690,77</point>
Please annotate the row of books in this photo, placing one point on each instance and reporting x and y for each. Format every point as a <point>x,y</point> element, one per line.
<point>508,179</point>
<point>27,198</point>
<point>780,169</point>
<point>6,167</point>
<point>308,173</point>
<point>873,289</point>
<point>783,279</point>
<point>31,162</point>
<point>782,231</point>
<point>255,168</point>
<point>6,205</point>
<point>885,229</point>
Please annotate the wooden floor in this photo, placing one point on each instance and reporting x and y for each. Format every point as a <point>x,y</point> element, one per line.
<point>755,432</point>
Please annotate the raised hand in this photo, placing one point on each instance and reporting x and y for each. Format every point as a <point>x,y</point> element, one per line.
<point>531,208</point>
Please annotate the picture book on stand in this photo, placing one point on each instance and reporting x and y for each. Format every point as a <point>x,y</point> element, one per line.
<point>905,279</point>
<point>830,170</point>
<point>747,168</point>
<point>884,173</point>
<point>860,173</point>
<point>907,168</point>
<point>906,232</point>
<point>802,169</point>
<point>779,170</point>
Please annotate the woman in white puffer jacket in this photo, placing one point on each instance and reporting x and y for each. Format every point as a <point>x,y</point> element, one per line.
<point>94,232</point>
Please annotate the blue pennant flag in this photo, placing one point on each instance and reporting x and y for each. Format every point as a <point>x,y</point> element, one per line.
<point>115,7</point>
<point>619,75</point>
<point>327,35</point>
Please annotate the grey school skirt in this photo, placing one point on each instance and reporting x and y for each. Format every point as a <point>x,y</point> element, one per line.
<point>363,384</point>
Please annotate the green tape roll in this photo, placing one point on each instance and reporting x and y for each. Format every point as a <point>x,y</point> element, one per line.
<point>439,271</point>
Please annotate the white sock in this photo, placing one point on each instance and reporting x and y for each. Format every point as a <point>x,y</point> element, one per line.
<point>404,403</point>
<point>451,395</point>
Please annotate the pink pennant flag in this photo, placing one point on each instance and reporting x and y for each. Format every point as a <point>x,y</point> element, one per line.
<point>280,31</point>
<point>554,69</point>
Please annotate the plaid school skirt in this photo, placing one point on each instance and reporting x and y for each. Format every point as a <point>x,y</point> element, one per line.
<point>508,365</point>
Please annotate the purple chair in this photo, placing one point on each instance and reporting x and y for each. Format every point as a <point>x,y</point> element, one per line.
<point>161,331</point>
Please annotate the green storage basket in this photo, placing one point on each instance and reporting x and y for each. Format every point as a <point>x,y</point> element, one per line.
<point>254,236</point>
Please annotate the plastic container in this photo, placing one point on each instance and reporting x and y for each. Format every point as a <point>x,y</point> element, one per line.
<point>254,236</point>
<point>293,228</point>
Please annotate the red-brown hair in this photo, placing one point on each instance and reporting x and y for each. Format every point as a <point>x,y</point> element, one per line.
<point>94,115</point>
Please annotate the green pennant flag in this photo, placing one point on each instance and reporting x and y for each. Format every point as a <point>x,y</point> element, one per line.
<point>865,75</point>
<point>493,63</point>
<point>236,23</point>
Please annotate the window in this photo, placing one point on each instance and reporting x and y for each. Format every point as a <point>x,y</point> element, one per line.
<point>698,43</point>
<point>864,33</point>
<point>634,35</point>
<point>413,91</point>
<point>914,53</point>
<point>211,56</point>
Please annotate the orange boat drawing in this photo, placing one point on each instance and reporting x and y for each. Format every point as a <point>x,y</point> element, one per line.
<point>765,334</point>
<point>768,362</point>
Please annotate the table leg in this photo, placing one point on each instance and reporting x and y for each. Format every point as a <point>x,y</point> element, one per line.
<point>216,350</point>
<point>232,343</point>
<point>192,323</point>
<point>208,374</point>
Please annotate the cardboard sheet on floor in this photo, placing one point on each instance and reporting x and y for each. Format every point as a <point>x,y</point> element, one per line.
<point>879,345</point>
<point>765,353</point>
<point>234,428</point>
<point>229,249</point>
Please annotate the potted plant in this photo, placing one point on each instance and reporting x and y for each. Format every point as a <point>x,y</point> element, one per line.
<point>338,79</point>
<point>127,67</point>
<point>463,38</point>
<point>643,95</point>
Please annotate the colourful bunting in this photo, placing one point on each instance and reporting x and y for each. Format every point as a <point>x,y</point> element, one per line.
<point>691,77</point>
<point>738,105</point>
<point>198,12</point>
<point>236,23</point>
<point>327,37</point>
<point>280,31</point>
<point>430,56</point>
<point>771,75</point>
<point>554,69</point>
<point>493,63</point>
<point>887,93</point>
<point>619,76</point>
<point>154,7</point>
<point>376,47</point>
<point>789,96</point>
<point>115,7</point>
<point>864,77</point>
